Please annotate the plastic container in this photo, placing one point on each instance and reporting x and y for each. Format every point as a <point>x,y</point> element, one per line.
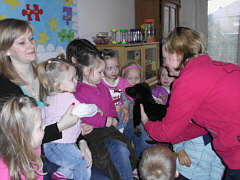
<point>149,30</point>
<point>123,36</point>
<point>114,36</point>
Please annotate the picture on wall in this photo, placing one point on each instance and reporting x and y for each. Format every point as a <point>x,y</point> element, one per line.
<point>54,21</point>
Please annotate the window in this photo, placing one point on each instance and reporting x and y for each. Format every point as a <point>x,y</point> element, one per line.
<point>223,30</point>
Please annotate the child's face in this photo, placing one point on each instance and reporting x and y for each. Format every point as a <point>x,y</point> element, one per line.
<point>112,68</point>
<point>68,80</point>
<point>38,129</point>
<point>96,75</point>
<point>133,76</point>
<point>165,80</point>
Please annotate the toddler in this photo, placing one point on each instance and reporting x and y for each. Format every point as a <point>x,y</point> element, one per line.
<point>91,90</point>
<point>133,73</point>
<point>161,92</point>
<point>197,160</point>
<point>116,86</point>
<point>59,81</point>
<point>157,163</point>
<point>21,134</point>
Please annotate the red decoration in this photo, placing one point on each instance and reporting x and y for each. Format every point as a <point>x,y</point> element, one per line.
<point>29,12</point>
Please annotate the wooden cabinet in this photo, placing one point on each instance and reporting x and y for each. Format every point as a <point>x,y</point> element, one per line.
<point>146,54</point>
<point>165,13</point>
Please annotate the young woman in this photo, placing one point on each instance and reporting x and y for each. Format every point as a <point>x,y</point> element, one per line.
<point>210,93</point>
<point>18,72</point>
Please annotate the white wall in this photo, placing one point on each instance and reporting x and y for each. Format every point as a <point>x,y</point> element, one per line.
<point>193,14</point>
<point>103,15</point>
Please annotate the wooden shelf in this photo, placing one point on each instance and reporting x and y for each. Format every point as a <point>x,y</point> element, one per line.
<point>146,54</point>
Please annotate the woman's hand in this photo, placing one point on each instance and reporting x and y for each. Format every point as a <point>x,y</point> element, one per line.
<point>86,128</point>
<point>68,120</point>
<point>183,158</point>
<point>144,117</point>
<point>85,150</point>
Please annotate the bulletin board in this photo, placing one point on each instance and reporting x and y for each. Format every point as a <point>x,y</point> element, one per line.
<point>55,22</point>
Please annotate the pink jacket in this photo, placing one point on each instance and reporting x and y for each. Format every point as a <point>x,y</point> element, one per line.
<point>100,96</point>
<point>4,171</point>
<point>209,93</point>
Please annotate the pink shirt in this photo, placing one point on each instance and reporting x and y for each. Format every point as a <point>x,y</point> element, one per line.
<point>4,171</point>
<point>100,96</point>
<point>57,106</point>
<point>209,93</point>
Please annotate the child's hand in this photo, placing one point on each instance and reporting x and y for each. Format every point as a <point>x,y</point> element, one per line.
<point>118,108</point>
<point>125,112</point>
<point>86,128</point>
<point>109,121</point>
<point>114,122</point>
<point>183,158</point>
<point>85,150</point>
<point>100,112</point>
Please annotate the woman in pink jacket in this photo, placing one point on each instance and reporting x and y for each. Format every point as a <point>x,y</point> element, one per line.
<point>207,92</point>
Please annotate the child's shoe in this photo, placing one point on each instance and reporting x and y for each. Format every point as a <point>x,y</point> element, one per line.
<point>135,174</point>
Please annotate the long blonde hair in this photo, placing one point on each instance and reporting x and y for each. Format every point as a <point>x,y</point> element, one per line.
<point>10,30</point>
<point>49,72</point>
<point>187,43</point>
<point>15,138</point>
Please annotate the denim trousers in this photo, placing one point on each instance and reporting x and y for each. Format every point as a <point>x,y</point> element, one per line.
<point>121,125</point>
<point>68,157</point>
<point>138,141</point>
<point>120,157</point>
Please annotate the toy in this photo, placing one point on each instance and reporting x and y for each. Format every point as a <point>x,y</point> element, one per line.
<point>142,94</point>
<point>123,36</point>
<point>114,36</point>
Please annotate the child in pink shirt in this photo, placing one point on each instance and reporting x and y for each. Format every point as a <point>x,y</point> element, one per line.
<point>21,134</point>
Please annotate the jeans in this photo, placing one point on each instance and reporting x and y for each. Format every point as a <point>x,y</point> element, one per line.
<point>121,125</point>
<point>232,174</point>
<point>120,157</point>
<point>68,157</point>
<point>139,142</point>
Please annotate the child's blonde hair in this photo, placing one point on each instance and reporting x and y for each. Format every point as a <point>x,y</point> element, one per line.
<point>49,73</point>
<point>10,30</point>
<point>16,136</point>
<point>129,66</point>
<point>158,162</point>
<point>185,42</point>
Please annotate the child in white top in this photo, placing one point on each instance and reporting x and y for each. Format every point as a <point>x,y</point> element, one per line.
<point>59,80</point>
<point>116,86</point>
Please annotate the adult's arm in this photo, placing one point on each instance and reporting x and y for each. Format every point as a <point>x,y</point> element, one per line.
<point>51,133</point>
<point>188,93</point>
